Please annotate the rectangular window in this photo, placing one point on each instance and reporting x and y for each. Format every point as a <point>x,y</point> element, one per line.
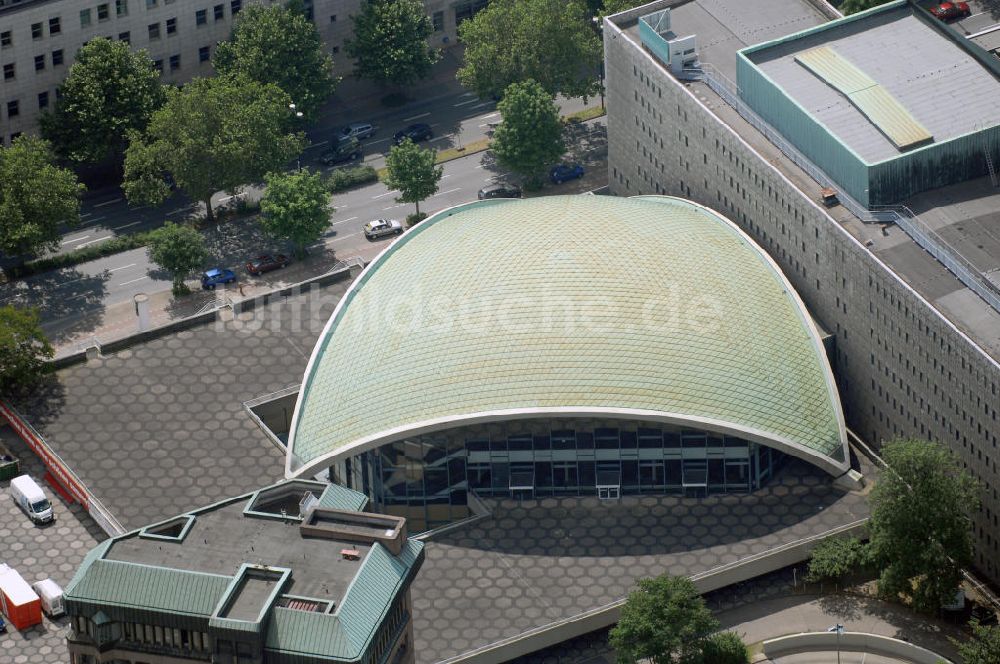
<point>36,30</point>
<point>175,62</point>
<point>6,40</point>
<point>333,18</point>
<point>121,7</point>
<point>13,109</point>
<point>57,57</point>
<point>84,18</point>
<point>40,62</point>
<point>438,20</point>
<point>201,17</point>
<point>102,12</point>
<point>158,65</point>
<point>171,26</point>
<point>43,100</point>
<point>219,12</point>
<point>235,6</point>
<point>467,9</point>
<point>8,71</point>
<point>152,4</point>
<point>125,37</point>
<point>204,54</point>
<point>55,26</point>
<point>154,30</point>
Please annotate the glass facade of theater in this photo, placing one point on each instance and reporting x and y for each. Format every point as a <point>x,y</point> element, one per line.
<point>427,478</point>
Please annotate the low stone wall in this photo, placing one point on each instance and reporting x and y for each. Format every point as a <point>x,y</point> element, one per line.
<point>851,642</point>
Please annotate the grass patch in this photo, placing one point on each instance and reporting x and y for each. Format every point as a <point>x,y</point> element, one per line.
<point>584,115</point>
<point>91,252</point>
<point>342,179</point>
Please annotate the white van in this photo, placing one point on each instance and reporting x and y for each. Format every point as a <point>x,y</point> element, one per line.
<point>30,498</point>
<point>51,595</point>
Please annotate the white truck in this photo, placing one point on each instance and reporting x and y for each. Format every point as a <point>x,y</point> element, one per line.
<point>30,498</point>
<point>51,595</point>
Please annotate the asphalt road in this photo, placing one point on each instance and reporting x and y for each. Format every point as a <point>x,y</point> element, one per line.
<point>456,119</point>
<point>72,293</point>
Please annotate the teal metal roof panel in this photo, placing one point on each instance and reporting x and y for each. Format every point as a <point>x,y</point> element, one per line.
<point>339,497</point>
<point>870,98</point>
<point>155,588</point>
<point>309,634</point>
<point>653,304</point>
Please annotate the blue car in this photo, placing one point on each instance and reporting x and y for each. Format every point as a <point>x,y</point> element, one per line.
<point>212,278</point>
<point>564,172</point>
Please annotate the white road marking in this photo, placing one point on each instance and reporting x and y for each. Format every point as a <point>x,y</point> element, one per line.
<point>76,239</point>
<point>416,117</point>
<point>441,138</point>
<point>447,176</point>
<point>84,216</point>
<point>180,209</point>
<point>393,207</point>
<point>100,239</point>
<point>316,145</point>
<point>111,202</point>
<point>123,267</point>
<point>344,220</point>
<point>381,140</point>
<point>479,165</point>
<point>91,221</point>
<point>118,228</point>
<point>491,115</point>
<point>388,193</point>
<point>450,191</point>
<point>78,295</point>
<point>467,94</point>
<point>126,283</point>
<point>463,103</point>
<point>485,103</point>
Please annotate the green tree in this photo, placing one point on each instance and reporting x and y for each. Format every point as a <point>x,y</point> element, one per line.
<point>35,197</point>
<point>110,90</point>
<point>615,6</point>
<point>390,42</point>
<point>855,6</point>
<point>550,41</point>
<point>412,171</point>
<point>279,45</point>
<point>24,350</point>
<point>723,648</point>
<point>834,558</point>
<point>296,208</point>
<point>920,526</point>
<point>529,138</point>
<point>664,620</point>
<point>213,135</point>
<point>178,249</point>
<point>983,647</point>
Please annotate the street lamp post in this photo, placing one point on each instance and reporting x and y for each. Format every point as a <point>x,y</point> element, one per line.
<point>298,115</point>
<point>839,629</point>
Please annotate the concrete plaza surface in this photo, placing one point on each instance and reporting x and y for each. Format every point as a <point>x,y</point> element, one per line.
<point>540,562</point>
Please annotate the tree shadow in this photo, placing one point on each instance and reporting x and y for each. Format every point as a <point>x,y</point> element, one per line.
<point>44,403</point>
<point>69,301</point>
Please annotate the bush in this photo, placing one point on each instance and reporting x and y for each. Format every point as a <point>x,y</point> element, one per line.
<point>834,558</point>
<point>91,252</point>
<point>724,648</point>
<point>414,219</point>
<point>342,179</point>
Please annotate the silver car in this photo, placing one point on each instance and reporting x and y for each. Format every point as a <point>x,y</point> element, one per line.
<point>382,227</point>
<point>358,130</point>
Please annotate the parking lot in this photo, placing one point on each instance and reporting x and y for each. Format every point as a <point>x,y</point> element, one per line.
<point>54,550</point>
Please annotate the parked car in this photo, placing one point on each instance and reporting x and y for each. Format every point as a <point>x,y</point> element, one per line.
<point>30,498</point>
<point>564,172</point>
<point>344,149</point>
<point>358,130</point>
<point>499,191</point>
<point>947,11</point>
<point>3,625</point>
<point>382,227</point>
<point>217,275</point>
<point>415,132</point>
<point>267,263</point>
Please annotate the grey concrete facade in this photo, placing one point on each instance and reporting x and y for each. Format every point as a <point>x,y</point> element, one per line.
<point>904,368</point>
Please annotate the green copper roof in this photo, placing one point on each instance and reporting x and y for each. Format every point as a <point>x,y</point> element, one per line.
<point>571,305</point>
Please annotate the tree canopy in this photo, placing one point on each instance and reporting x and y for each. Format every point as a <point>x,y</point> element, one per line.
<point>855,6</point>
<point>296,208</point>
<point>550,41</point>
<point>110,90</point>
<point>178,249</point>
<point>529,139</point>
<point>983,647</point>
<point>663,620</point>
<point>920,526</point>
<point>390,42</point>
<point>24,350</point>
<point>213,135</point>
<point>35,197</point>
<point>279,45</point>
<point>834,558</point>
<point>412,171</point>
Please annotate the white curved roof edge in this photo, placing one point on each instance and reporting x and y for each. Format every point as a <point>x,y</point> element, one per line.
<point>828,464</point>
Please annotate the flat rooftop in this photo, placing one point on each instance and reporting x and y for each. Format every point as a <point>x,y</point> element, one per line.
<point>941,86</point>
<point>220,540</point>
<point>160,429</point>
<point>536,563</point>
<point>724,27</point>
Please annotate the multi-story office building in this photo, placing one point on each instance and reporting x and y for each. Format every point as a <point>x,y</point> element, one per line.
<point>766,111</point>
<point>39,40</point>
<point>293,573</point>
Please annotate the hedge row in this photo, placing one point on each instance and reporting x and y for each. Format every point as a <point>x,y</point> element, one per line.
<point>342,179</point>
<point>91,252</point>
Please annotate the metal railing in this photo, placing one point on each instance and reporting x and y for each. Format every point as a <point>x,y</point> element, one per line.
<point>923,235</point>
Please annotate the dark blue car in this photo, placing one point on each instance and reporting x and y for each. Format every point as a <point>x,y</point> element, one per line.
<point>212,278</point>
<point>564,172</point>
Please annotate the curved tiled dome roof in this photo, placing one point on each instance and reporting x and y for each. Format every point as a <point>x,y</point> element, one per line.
<point>652,308</point>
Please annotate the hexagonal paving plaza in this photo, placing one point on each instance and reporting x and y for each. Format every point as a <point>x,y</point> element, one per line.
<point>537,562</point>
